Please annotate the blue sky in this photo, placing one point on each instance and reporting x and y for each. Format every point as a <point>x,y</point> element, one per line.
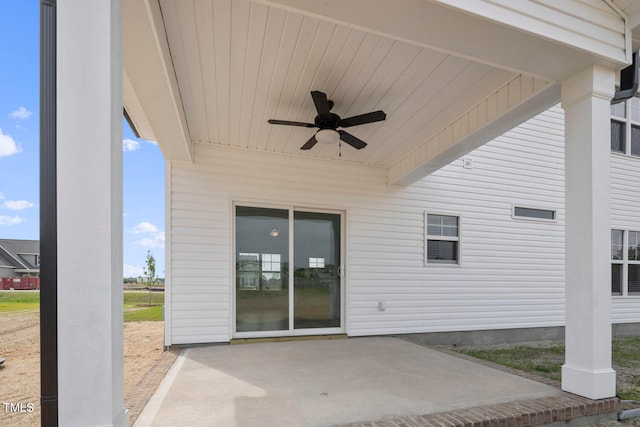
<point>143,169</point>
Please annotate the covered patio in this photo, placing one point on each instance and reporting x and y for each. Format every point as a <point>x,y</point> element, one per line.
<point>195,75</point>
<point>349,381</point>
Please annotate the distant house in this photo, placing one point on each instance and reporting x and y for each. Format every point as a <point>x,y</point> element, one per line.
<point>19,258</point>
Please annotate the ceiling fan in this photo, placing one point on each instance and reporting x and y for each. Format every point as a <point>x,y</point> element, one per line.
<point>328,123</point>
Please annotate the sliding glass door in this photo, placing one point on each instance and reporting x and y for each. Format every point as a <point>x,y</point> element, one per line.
<point>262,267</point>
<point>272,297</point>
<point>316,281</point>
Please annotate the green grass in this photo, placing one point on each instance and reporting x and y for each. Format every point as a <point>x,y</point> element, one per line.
<point>547,360</point>
<point>143,297</point>
<point>143,305</point>
<point>626,360</point>
<point>137,305</point>
<point>148,313</point>
<point>19,297</point>
<point>16,301</point>
<point>18,307</point>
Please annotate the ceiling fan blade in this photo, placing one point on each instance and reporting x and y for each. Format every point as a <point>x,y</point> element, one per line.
<point>374,116</point>
<point>288,123</point>
<point>310,143</point>
<point>321,102</point>
<point>356,143</point>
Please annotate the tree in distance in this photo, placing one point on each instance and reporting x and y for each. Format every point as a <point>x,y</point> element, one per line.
<point>149,270</point>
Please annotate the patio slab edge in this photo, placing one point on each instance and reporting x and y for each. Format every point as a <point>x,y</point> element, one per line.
<point>236,341</point>
<point>563,410</point>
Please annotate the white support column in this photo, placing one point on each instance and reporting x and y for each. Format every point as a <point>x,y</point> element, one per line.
<point>89,188</point>
<point>585,99</point>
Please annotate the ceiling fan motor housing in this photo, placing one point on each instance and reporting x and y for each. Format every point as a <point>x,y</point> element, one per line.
<point>327,121</point>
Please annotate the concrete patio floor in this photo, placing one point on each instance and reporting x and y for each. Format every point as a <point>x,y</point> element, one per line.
<point>325,383</point>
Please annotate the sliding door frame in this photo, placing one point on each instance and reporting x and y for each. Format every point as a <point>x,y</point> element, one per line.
<point>291,331</point>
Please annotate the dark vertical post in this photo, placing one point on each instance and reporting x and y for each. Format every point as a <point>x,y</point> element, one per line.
<point>48,218</point>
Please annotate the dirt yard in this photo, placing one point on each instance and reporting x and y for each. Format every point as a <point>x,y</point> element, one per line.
<point>20,373</point>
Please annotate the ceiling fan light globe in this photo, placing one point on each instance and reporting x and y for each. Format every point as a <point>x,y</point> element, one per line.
<point>327,136</point>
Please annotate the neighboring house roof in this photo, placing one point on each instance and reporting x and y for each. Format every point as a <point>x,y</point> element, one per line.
<point>21,255</point>
<point>5,261</point>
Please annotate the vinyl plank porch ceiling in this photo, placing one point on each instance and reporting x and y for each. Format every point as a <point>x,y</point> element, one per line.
<point>239,63</point>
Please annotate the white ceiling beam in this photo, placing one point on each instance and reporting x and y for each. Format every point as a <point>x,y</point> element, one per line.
<point>596,27</point>
<point>151,94</point>
<point>515,102</point>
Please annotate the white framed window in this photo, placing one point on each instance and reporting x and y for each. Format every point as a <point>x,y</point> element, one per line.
<point>271,262</point>
<point>316,262</point>
<point>442,239</point>
<point>625,262</point>
<point>625,127</point>
<point>537,214</point>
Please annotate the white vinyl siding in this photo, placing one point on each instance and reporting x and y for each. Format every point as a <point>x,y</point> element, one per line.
<point>513,273</point>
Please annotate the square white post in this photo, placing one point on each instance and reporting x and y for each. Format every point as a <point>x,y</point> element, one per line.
<point>585,98</point>
<point>89,189</point>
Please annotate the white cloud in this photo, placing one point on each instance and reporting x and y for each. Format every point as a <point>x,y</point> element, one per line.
<point>1,196</point>
<point>130,145</point>
<point>144,227</point>
<point>17,205</point>
<point>156,240</point>
<point>21,113</point>
<point>152,239</point>
<point>133,144</point>
<point>7,220</point>
<point>131,271</point>
<point>8,146</point>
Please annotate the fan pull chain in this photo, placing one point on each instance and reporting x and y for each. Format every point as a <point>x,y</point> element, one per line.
<point>339,148</point>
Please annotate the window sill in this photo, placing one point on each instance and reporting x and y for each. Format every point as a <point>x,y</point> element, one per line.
<point>445,265</point>
<point>625,155</point>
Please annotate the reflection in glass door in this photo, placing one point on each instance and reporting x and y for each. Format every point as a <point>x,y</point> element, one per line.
<point>316,297</point>
<point>262,260</point>
<point>268,298</point>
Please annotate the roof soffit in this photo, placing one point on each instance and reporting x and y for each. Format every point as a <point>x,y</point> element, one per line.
<point>229,65</point>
